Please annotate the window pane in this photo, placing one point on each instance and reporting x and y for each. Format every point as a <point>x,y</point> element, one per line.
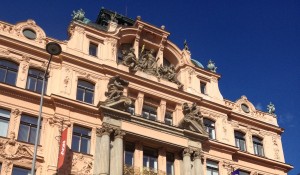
<point>28,119</point>
<point>31,83</point>
<point>11,78</point>
<point>128,158</point>
<point>2,74</point>
<point>145,161</point>
<point>82,130</point>
<point>3,127</point>
<point>4,113</point>
<point>93,49</point>
<point>79,94</point>
<point>32,135</point>
<point>85,145</point>
<point>75,143</point>
<point>89,97</point>
<point>23,133</point>
<point>39,86</point>
<point>20,171</point>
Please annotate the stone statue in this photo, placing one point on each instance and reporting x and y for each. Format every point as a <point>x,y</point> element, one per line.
<point>211,66</point>
<point>271,108</point>
<point>79,16</point>
<point>147,63</point>
<point>129,59</point>
<point>169,73</point>
<point>191,112</point>
<point>113,17</point>
<point>193,119</point>
<point>186,47</point>
<point>115,88</point>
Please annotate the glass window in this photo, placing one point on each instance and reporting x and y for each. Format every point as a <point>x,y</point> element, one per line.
<point>35,80</point>
<point>258,146</point>
<point>81,139</point>
<point>85,91</point>
<point>210,128</point>
<point>170,163</point>
<point>150,158</point>
<point>128,154</point>
<point>212,168</point>
<point>149,112</point>
<point>240,140</point>
<point>93,49</point>
<point>28,128</point>
<point>131,109</point>
<point>202,87</point>
<point>4,122</point>
<point>20,171</point>
<point>168,118</point>
<point>8,72</point>
<point>30,34</point>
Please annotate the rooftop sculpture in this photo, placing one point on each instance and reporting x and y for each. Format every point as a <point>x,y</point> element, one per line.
<point>79,15</point>
<point>271,109</point>
<point>211,66</point>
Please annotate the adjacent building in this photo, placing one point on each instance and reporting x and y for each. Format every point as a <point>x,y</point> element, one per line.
<point>132,102</point>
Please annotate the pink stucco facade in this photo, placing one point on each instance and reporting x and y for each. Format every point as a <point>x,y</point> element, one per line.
<point>62,109</point>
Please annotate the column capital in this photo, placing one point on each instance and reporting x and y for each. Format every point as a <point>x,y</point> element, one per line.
<point>119,133</point>
<point>106,129</point>
<point>187,151</point>
<point>198,154</point>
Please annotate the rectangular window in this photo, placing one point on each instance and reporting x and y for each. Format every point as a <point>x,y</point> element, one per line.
<point>168,118</point>
<point>258,146</point>
<point>170,163</point>
<point>202,87</point>
<point>20,171</point>
<point>93,49</point>
<point>240,140</point>
<point>4,122</point>
<point>81,139</point>
<point>28,129</point>
<point>150,159</point>
<point>212,168</point>
<point>149,112</point>
<point>129,154</point>
<point>131,109</point>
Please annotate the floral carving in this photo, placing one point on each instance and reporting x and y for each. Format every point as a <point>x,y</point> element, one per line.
<point>82,164</point>
<point>187,151</point>
<point>119,133</point>
<point>105,130</point>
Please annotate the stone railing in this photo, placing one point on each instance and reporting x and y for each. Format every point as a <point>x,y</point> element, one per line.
<point>131,170</point>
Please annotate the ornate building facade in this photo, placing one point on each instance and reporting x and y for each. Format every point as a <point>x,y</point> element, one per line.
<point>133,103</point>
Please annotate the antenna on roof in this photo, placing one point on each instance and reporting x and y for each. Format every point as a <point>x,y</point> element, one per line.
<point>126,10</point>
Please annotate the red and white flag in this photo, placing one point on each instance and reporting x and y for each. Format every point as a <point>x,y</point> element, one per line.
<point>62,148</point>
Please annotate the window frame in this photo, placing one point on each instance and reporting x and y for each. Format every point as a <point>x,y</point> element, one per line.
<point>203,87</point>
<point>85,89</point>
<point>150,158</point>
<point>37,78</point>
<point>239,139</point>
<point>168,118</point>
<point>149,113</point>
<point>8,69</point>
<point>170,158</point>
<point>211,130</point>
<point>258,146</point>
<point>93,45</point>
<point>22,168</point>
<point>30,126</point>
<point>4,118</point>
<point>81,135</point>
<point>211,169</point>
<point>129,148</point>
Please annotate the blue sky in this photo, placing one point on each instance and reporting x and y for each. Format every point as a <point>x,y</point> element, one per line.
<point>254,43</point>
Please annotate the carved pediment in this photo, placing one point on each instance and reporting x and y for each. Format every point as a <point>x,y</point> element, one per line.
<point>193,120</point>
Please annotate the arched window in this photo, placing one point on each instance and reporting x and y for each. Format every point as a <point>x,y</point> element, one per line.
<point>240,140</point>
<point>8,72</point>
<point>85,91</point>
<point>258,146</point>
<point>210,128</point>
<point>35,80</point>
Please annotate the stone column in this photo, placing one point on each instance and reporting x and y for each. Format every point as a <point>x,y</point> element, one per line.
<point>197,163</point>
<point>118,152</point>
<point>187,161</point>
<point>104,153</point>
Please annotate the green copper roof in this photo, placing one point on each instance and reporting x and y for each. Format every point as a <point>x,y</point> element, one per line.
<point>197,63</point>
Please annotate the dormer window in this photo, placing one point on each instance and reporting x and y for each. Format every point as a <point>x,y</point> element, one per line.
<point>202,87</point>
<point>93,48</point>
